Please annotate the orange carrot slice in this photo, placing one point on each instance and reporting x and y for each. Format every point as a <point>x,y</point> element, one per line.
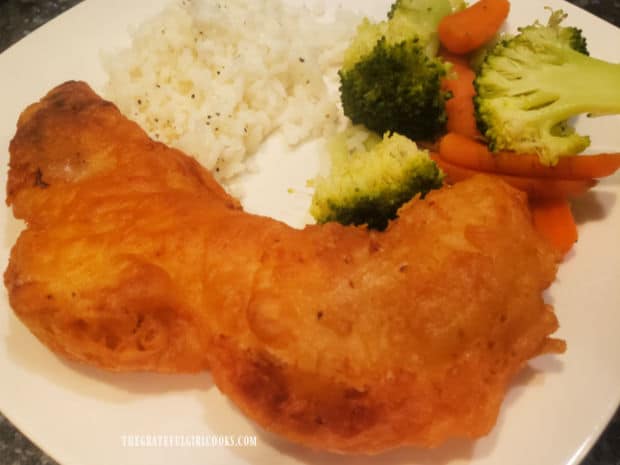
<point>460,108</point>
<point>463,151</point>
<point>555,222</point>
<point>469,29</point>
<point>536,188</point>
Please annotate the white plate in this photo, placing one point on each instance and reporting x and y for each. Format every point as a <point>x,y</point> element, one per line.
<point>553,412</point>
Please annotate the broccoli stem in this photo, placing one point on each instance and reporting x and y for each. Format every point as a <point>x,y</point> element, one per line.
<point>589,84</point>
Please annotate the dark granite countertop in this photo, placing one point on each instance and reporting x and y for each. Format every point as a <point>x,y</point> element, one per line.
<point>20,17</point>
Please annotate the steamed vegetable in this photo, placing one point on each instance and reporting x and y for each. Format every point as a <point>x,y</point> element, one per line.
<point>369,181</point>
<point>391,76</point>
<point>467,30</point>
<point>530,85</point>
<point>555,222</point>
<point>460,110</point>
<point>536,188</point>
<point>463,151</point>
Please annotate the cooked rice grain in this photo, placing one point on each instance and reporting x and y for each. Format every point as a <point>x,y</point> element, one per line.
<point>216,78</point>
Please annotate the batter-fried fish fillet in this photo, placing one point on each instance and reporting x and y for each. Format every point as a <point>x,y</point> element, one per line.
<point>335,337</point>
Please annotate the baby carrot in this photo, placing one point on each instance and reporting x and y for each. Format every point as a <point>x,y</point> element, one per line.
<point>468,29</point>
<point>460,108</point>
<point>463,151</point>
<point>555,222</point>
<point>536,188</point>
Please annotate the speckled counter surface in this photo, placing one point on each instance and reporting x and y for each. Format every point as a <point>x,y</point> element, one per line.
<point>20,17</point>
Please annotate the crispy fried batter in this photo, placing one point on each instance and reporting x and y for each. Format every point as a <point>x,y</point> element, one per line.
<point>335,337</point>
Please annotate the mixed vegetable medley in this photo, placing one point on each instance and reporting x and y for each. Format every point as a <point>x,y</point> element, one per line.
<point>436,84</point>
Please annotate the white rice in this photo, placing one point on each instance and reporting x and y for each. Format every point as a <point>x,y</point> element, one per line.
<point>216,78</point>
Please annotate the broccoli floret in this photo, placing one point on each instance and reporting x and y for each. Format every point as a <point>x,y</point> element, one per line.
<point>391,78</point>
<point>396,88</point>
<point>575,39</point>
<point>422,6</point>
<point>530,85</point>
<point>477,57</point>
<point>424,17</point>
<point>368,183</point>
